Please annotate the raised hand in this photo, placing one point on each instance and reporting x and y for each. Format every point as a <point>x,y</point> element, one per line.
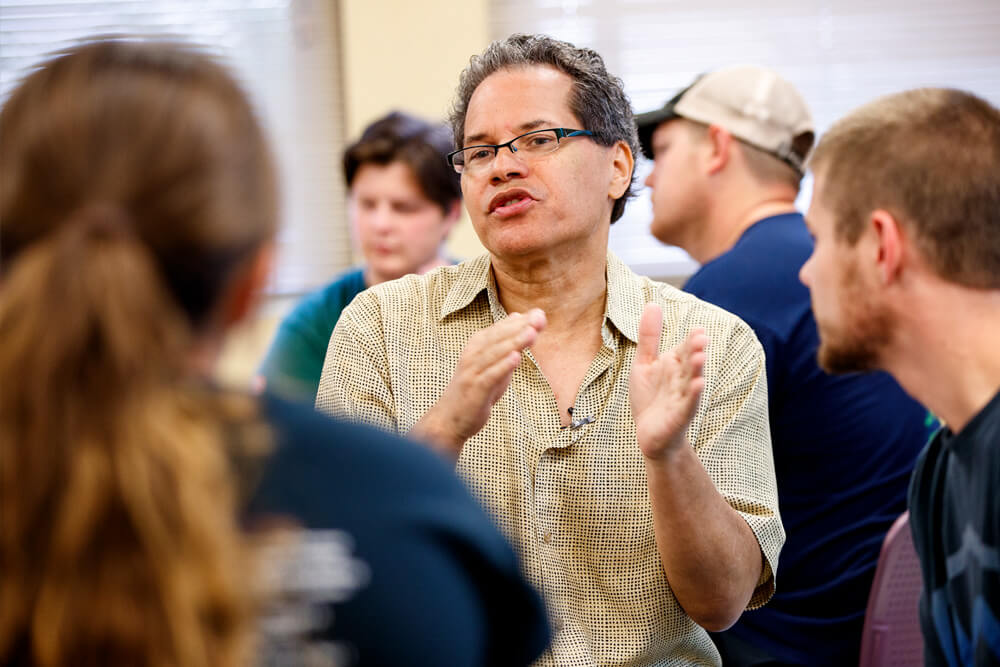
<point>664,389</point>
<point>481,377</point>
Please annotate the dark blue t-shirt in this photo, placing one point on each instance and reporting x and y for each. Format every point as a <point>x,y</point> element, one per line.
<point>844,447</point>
<point>395,564</point>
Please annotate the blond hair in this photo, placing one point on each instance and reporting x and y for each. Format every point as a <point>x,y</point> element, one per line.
<point>136,182</point>
<point>931,157</point>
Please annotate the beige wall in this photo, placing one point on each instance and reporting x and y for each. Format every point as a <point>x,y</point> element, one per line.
<point>407,55</point>
<point>395,54</point>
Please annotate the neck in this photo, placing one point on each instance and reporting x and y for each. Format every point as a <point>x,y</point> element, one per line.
<point>728,222</point>
<point>572,291</point>
<point>959,325</point>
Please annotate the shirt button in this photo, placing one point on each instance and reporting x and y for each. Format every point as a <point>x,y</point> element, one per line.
<point>547,537</point>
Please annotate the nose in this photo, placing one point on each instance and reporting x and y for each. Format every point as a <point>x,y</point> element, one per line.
<point>507,165</point>
<point>380,218</point>
<point>806,269</point>
<point>648,181</point>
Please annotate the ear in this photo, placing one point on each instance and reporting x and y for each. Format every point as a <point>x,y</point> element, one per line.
<point>247,285</point>
<point>890,240</point>
<point>622,164</point>
<point>720,144</point>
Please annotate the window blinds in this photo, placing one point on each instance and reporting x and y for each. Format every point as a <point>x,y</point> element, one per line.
<point>839,53</point>
<point>284,52</point>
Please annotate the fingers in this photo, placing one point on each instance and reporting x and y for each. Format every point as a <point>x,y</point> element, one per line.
<point>519,329</point>
<point>491,355</point>
<point>484,372</point>
<point>650,328</point>
<point>692,353</point>
<point>494,378</point>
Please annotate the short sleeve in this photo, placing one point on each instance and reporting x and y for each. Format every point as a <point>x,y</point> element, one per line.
<point>732,438</point>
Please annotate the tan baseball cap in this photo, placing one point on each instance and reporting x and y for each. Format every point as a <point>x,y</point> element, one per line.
<point>752,103</point>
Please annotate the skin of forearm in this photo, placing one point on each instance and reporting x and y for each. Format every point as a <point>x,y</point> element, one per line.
<point>710,556</point>
<point>432,430</point>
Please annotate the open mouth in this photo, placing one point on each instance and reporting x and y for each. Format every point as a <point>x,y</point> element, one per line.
<point>510,202</point>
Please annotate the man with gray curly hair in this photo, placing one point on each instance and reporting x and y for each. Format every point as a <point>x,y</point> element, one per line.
<point>614,426</point>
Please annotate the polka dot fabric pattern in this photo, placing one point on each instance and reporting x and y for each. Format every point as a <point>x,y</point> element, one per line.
<point>574,502</point>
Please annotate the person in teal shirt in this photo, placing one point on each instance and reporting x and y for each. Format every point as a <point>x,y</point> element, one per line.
<point>404,200</point>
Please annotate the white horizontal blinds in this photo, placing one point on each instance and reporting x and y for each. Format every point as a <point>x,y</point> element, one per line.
<point>285,54</point>
<point>840,54</point>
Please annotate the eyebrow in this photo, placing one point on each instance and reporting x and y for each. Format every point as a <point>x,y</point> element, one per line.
<point>521,129</point>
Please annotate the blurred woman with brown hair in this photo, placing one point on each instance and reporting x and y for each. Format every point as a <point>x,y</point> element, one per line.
<point>137,212</point>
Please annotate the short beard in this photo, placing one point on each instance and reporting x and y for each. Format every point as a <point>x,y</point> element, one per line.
<point>864,332</point>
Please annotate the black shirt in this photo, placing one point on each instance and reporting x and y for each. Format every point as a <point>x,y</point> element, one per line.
<point>955,517</point>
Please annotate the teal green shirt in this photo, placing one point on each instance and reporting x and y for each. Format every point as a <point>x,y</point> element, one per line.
<point>294,363</point>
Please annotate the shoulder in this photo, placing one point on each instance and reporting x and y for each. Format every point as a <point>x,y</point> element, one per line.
<point>349,456</point>
<point>342,290</point>
<point>683,311</point>
<point>921,480</point>
<point>435,560</point>
<point>629,293</point>
<point>325,473</point>
<point>323,305</point>
<point>758,277</point>
<point>419,297</point>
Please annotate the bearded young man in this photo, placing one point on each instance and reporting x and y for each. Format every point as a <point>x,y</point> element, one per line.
<point>905,277</point>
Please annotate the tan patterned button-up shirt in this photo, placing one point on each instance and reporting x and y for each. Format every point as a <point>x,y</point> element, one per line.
<point>575,503</point>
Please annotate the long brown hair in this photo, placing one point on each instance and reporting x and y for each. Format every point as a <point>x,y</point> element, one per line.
<point>136,183</point>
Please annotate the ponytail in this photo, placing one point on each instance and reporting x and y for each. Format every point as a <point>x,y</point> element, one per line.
<point>118,534</point>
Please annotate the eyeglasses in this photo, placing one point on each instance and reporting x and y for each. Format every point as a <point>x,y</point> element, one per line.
<point>530,145</point>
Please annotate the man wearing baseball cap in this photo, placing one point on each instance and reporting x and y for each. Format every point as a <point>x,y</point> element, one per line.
<point>729,152</point>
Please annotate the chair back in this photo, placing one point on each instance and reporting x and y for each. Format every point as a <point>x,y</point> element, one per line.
<point>891,636</point>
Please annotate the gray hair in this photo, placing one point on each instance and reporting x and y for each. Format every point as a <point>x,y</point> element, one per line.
<point>598,99</point>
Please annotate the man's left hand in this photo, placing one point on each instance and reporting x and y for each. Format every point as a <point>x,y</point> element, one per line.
<point>664,388</point>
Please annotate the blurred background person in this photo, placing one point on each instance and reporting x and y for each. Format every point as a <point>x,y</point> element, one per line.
<point>729,156</point>
<point>404,200</point>
<point>139,208</point>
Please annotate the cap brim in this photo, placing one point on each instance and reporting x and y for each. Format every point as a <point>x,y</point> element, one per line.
<point>646,124</point>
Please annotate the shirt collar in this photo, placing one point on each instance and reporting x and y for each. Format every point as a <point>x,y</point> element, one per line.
<point>474,276</point>
<point>625,298</point>
<point>625,293</point>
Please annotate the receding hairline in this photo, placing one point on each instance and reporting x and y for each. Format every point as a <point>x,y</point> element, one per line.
<point>527,126</point>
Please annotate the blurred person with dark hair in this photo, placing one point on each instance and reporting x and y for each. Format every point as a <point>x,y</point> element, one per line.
<point>139,207</point>
<point>630,464</point>
<point>730,152</point>
<point>905,277</point>
<point>404,200</point>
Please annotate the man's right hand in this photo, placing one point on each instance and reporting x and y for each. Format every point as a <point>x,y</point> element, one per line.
<point>482,376</point>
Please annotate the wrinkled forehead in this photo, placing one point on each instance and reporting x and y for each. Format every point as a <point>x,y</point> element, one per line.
<point>518,99</point>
